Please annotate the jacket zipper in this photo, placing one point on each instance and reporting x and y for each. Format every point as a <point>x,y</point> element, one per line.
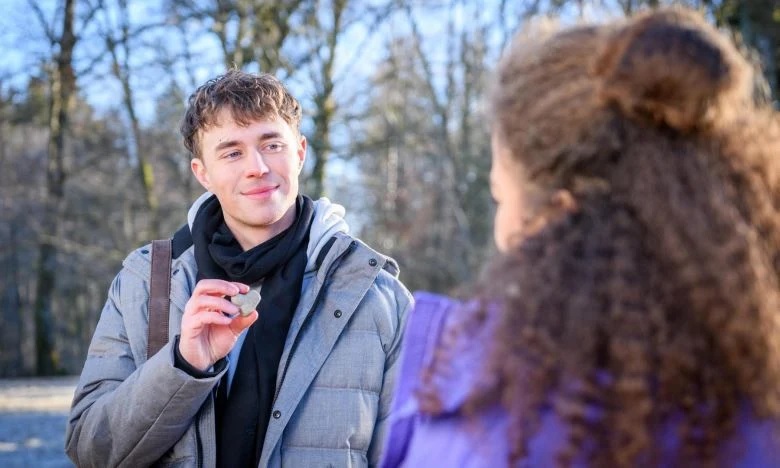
<point>313,307</point>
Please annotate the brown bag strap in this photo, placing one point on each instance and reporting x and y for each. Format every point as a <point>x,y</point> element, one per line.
<point>159,296</point>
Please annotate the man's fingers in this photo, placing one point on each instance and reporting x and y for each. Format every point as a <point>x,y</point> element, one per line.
<point>199,321</point>
<point>216,287</point>
<point>213,303</point>
<point>240,323</point>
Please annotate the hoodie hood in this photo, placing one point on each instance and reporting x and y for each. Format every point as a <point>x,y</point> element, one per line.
<point>328,220</point>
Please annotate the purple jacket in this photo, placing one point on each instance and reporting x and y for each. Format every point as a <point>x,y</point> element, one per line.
<point>452,440</point>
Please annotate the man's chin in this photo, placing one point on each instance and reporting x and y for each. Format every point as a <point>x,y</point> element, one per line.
<point>262,217</point>
<point>261,223</point>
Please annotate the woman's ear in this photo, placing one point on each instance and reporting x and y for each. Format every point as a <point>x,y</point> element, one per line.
<point>563,200</point>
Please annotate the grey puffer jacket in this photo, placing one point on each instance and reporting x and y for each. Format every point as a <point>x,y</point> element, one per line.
<point>334,385</point>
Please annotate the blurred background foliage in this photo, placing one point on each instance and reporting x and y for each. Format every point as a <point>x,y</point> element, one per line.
<point>91,164</point>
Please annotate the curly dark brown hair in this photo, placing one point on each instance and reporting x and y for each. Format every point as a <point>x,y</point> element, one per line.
<point>653,294</point>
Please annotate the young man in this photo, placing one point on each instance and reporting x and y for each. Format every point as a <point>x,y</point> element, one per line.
<point>306,379</point>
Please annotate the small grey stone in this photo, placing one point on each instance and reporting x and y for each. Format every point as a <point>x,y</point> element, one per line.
<point>247,302</point>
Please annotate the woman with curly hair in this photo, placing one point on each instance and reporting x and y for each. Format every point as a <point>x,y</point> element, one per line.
<point>633,316</point>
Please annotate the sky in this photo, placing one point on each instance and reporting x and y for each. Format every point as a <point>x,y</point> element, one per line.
<point>24,46</point>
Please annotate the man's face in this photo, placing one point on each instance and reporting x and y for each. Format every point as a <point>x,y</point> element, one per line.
<point>253,170</point>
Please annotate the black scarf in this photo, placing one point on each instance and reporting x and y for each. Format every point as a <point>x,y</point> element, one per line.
<point>242,418</point>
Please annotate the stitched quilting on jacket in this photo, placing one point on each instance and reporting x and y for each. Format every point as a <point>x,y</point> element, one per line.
<point>334,384</point>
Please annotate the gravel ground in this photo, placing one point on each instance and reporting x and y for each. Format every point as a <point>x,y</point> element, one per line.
<point>33,413</point>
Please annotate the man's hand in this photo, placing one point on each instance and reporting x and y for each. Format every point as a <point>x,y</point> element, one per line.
<point>207,334</point>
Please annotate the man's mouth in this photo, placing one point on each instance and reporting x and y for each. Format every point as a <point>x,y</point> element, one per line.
<point>261,192</point>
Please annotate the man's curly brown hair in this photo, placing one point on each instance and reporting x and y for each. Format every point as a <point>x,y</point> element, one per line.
<point>653,295</point>
<point>247,96</point>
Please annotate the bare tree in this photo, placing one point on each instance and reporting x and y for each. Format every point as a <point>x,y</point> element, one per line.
<point>324,103</point>
<point>11,331</point>
<point>118,41</point>
<point>248,32</point>
<point>393,94</point>
<point>63,87</point>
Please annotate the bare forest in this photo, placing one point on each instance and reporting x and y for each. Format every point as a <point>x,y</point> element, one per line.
<point>393,91</point>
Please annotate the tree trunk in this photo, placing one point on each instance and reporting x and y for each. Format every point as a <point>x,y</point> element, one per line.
<point>325,107</point>
<point>145,171</point>
<point>63,88</point>
<point>11,330</point>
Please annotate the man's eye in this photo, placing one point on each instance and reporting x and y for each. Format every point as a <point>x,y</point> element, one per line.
<point>232,155</point>
<point>273,148</point>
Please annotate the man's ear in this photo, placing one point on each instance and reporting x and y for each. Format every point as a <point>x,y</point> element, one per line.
<point>301,153</point>
<point>199,170</point>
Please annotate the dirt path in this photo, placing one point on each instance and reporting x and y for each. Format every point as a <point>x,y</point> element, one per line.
<point>33,413</point>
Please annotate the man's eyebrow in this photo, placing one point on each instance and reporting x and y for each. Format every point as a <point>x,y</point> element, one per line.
<point>230,143</point>
<point>226,144</point>
<point>269,135</point>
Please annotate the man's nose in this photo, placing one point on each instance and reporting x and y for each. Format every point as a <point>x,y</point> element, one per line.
<point>257,166</point>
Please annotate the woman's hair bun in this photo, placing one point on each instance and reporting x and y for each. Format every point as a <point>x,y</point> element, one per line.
<point>671,68</point>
